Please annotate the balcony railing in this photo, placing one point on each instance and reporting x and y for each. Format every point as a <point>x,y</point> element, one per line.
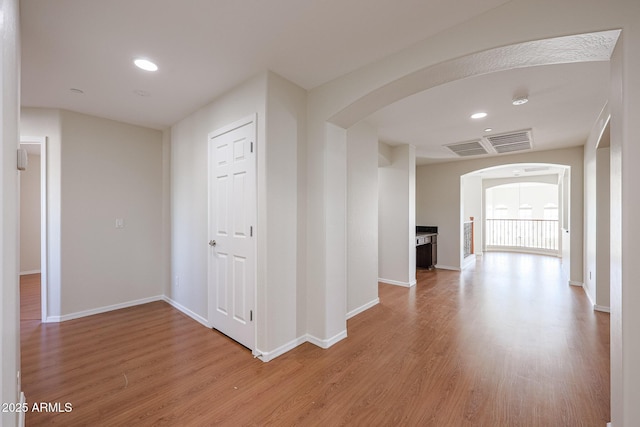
<point>539,235</point>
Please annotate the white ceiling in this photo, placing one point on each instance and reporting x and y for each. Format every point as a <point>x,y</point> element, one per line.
<point>206,47</point>
<point>564,103</point>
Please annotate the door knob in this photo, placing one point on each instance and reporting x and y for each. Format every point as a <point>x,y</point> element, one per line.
<point>212,242</point>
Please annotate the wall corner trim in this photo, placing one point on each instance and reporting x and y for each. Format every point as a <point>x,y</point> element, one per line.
<point>362,308</point>
<point>326,343</point>
<point>447,267</point>
<point>99,310</point>
<point>396,283</point>
<point>267,356</point>
<point>602,308</point>
<point>185,310</point>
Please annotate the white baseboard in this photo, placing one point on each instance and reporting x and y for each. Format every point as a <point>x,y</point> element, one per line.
<point>469,261</point>
<point>186,311</point>
<point>326,343</point>
<point>575,283</point>
<point>267,356</point>
<point>447,267</point>
<point>24,273</point>
<point>602,308</point>
<point>99,310</point>
<point>363,308</point>
<point>396,283</point>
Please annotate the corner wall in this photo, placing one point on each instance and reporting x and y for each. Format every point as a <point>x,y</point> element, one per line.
<point>281,221</point>
<point>99,170</point>
<point>596,215</point>
<point>362,218</point>
<point>397,218</point>
<point>110,170</point>
<point>10,382</point>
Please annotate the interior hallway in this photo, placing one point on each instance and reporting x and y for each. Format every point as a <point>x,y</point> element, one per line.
<point>505,343</point>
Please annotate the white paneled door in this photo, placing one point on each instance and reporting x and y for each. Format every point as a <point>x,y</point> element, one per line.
<point>232,217</point>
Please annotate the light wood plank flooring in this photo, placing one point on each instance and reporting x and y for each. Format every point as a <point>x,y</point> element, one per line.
<point>507,343</point>
<point>30,308</point>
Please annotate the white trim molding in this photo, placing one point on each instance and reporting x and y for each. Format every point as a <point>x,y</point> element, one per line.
<point>24,273</point>
<point>469,261</point>
<point>185,310</point>
<point>267,356</point>
<point>362,308</point>
<point>105,309</point>
<point>447,267</point>
<point>326,343</point>
<point>595,306</point>
<point>397,283</point>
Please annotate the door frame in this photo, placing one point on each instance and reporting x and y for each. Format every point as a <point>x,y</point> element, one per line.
<point>44,261</point>
<point>251,119</point>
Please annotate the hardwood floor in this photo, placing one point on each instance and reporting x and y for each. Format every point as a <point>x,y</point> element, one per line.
<point>30,308</point>
<point>507,343</point>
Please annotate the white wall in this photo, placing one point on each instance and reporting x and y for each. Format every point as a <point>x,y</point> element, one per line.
<point>472,204</point>
<point>281,269</point>
<point>603,234</point>
<point>99,170</point>
<point>446,212</point>
<point>625,210</point>
<point>109,170</point>
<point>30,216</point>
<point>397,218</point>
<point>596,214</point>
<point>362,217</point>
<point>10,382</point>
<point>283,237</point>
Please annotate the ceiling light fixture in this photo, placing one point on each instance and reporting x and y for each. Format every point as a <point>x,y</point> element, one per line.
<point>488,129</point>
<point>520,100</point>
<point>479,115</point>
<point>145,64</point>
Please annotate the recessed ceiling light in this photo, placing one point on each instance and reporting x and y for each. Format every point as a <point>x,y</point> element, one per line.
<point>521,100</point>
<point>145,64</point>
<point>488,129</point>
<point>479,115</point>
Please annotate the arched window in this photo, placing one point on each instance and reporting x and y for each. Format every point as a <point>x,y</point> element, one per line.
<point>525,212</point>
<point>551,211</point>
<point>500,212</point>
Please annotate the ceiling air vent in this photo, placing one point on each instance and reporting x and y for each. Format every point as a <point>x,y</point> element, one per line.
<point>469,148</point>
<point>510,142</point>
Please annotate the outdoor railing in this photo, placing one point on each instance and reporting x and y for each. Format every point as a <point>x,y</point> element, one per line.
<point>534,234</point>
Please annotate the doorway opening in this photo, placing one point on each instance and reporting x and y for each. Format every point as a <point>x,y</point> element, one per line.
<point>518,208</point>
<point>33,230</point>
